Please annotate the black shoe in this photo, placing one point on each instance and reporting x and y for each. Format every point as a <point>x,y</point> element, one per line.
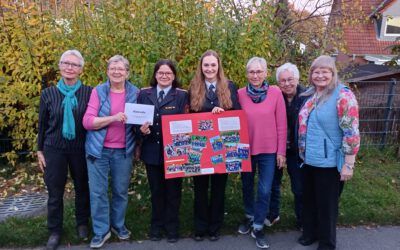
<point>198,236</point>
<point>306,241</point>
<point>259,236</point>
<point>155,235</point>
<point>172,237</point>
<point>246,226</point>
<point>83,232</point>
<point>53,242</point>
<point>214,236</point>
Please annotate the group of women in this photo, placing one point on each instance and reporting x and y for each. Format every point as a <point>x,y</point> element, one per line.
<point>84,130</point>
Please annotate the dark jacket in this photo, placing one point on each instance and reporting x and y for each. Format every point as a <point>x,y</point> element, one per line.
<point>209,103</point>
<point>292,115</point>
<point>51,120</point>
<point>175,102</point>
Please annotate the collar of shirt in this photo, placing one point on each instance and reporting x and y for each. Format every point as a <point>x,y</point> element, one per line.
<point>166,90</point>
<point>211,83</point>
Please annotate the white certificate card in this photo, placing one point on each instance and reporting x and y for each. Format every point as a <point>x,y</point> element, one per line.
<point>139,113</point>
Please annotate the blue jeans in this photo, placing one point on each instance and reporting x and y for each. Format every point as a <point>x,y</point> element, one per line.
<point>115,163</point>
<point>258,209</point>
<point>296,181</point>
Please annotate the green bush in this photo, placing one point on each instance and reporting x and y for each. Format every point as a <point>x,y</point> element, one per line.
<point>32,40</point>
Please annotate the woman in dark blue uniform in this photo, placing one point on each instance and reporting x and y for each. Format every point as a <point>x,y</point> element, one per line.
<point>210,91</point>
<point>165,194</point>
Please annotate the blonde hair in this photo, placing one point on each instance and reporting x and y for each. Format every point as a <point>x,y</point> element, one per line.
<point>325,62</point>
<point>197,88</point>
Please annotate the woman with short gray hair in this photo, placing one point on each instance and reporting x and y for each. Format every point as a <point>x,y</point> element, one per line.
<point>61,141</point>
<point>266,115</point>
<point>109,149</point>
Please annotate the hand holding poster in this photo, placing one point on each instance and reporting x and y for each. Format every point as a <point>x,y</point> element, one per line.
<point>205,143</point>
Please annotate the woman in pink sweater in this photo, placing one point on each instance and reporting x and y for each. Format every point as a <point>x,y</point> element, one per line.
<point>266,116</point>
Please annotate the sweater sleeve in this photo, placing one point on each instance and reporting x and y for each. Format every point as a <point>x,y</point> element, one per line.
<point>347,107</point>
<point>92,110</point>
<point>281,124</point>
<point>43,119</point>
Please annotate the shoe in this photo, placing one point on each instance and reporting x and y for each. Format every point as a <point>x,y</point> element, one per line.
<point>83,232</point>
<point>246,226</point>
<point>261,240</point>
<point>53,242</point>
<point>172,237</point>
<point>99,240</point>
<point>306,241</point>
<point>155,235</point>
<point>122,234</point>
<point>198,236</point>
<point>214,236</point>
<point>270,223</point>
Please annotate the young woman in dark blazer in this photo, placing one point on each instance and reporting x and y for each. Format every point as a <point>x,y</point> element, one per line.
<point>165,194</point>
<point>210,91</point>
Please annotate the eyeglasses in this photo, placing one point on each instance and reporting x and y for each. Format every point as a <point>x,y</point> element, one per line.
<point>289,80</point>
<point>322,72</point>
<point>258,72</point>
<point>70,64</point>
<point>117,69</point>
<point>167,74</point>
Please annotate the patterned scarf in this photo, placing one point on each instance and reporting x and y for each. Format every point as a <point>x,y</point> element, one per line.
<point>257,95</point>
<point>69,103</point>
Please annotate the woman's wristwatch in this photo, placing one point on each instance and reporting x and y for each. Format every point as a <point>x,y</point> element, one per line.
<point>349,166</point>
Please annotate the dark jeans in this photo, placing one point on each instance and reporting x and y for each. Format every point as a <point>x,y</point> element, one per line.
<point>296,182</point>
<point>55,177</point>
<point>165,200</point>
<point>321,198</point>
<point>257,207</point>
<point>209,214</point>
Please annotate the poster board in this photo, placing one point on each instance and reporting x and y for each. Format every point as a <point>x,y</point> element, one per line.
<point>205,143</point>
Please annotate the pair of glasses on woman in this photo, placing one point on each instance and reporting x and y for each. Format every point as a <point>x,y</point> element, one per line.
<point>70,64</point>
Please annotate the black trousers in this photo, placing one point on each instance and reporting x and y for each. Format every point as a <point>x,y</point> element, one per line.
<point>165,200</point>
<point>209,215</point>
<point>55,177</point>
<point>321,188</point>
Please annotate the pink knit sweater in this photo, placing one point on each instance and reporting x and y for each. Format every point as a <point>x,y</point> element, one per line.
<point>266,122</point>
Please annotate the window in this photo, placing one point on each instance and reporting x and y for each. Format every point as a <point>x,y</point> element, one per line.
<point>392,26</point>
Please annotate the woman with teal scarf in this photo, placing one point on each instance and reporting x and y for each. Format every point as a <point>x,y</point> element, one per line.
<point>61,145</point>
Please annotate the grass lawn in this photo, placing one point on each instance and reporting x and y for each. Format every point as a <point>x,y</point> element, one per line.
<point>372,197</point>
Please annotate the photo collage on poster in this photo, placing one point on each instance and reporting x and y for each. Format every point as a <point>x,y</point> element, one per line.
<point>196,144</point>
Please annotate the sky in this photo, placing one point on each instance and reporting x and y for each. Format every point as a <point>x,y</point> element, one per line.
<point>323,6</point>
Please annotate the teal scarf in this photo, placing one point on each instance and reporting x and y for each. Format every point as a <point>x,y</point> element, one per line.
<point>69,103</point>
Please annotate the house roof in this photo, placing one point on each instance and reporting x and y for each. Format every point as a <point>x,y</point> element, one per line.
<point>361,39</point>
<point>382,6</point>
<point>367,71</point>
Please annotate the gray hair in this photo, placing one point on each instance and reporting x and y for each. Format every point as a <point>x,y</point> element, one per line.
<point>258,60</point>
<point>73,52</point>
<point>119,58</point>
<point>288,67</point>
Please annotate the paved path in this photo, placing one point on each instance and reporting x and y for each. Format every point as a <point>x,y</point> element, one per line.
<point>358,238</point>
<point>362,238</point>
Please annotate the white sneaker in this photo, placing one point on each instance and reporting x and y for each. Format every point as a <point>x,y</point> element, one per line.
<point>268,223</point>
